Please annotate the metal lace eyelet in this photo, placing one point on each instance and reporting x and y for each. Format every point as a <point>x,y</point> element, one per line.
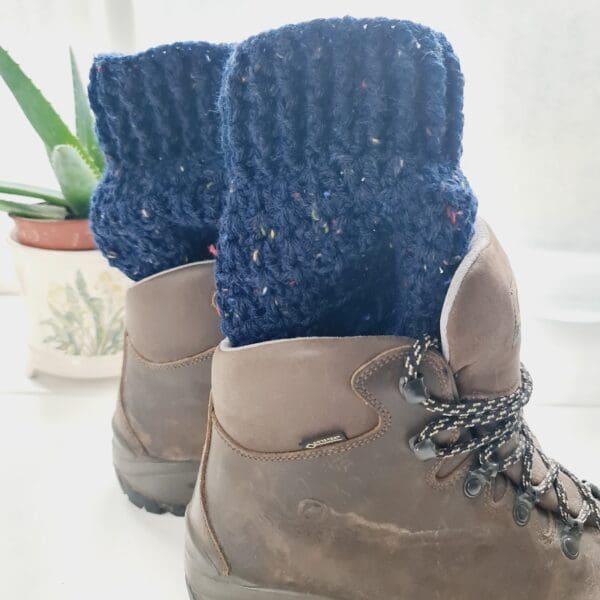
<point>477,479</point>
<point>594,489</point>
<point>414,390</point>
<point>424,450</point>
<point>570,538</point>
<point>523,507</point>
<point>474,484</point>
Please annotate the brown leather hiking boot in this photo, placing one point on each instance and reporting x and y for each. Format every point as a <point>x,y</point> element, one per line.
<point>159,425</point>
<point>380,468</point>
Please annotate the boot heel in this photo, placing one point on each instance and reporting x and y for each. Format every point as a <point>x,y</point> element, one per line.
<point>203,582</point>
<point>158,486</point>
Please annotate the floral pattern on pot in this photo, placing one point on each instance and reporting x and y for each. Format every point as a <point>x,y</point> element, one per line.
<point>86,319</point>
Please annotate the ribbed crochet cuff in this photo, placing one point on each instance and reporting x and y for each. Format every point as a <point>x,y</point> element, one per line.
<point>159,201</point>
<point>158,105</point>
<point>341,91</point>
<point>348,211</point>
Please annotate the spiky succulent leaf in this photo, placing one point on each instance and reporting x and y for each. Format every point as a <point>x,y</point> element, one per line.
<point>39,112</point>
<point>32,191</point>
<point>84,121</point>
<point>77,181</point>
<point>33,211</point>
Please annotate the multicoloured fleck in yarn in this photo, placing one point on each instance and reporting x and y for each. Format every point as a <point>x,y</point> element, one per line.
<point>347,212</point>
<point>161,196</point>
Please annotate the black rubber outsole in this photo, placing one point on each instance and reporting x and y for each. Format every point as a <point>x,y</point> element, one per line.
<point>150,505</point>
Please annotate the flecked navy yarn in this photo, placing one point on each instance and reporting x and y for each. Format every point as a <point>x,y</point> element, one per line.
<point>159,201</point>
<point>347,212</point>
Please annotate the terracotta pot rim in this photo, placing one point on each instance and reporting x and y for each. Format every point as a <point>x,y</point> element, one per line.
<point>12,239</point>
<point>62,235</point>
<point>16,218</point>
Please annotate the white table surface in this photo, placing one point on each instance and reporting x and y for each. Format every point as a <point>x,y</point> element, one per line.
<point>66,530</point>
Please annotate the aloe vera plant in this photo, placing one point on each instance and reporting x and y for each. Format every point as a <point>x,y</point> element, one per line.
<point>75,157</point>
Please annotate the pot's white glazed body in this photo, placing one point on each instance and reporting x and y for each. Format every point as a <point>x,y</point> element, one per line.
<point>75,304</point>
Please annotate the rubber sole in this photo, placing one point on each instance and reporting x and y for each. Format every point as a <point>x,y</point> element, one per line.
<point>155,485</point>
<point>149,504</point>
<point>213,590</point>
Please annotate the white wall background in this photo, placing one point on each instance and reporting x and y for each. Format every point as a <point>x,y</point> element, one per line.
<point>532,134</point>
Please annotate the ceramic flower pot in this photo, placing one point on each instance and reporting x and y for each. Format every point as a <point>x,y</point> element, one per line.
<point>75,300</point>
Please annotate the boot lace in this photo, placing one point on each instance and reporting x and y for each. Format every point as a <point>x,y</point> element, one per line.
<point>492,423</point>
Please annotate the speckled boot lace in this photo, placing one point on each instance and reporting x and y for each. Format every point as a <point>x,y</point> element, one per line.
<point>486,426</point>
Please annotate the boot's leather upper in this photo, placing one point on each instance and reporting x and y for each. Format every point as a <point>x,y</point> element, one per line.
<point>170,316</point>
<point>354,514</point>
<point>481,338</point>
<point>480,324</point>
<point>171,331</point>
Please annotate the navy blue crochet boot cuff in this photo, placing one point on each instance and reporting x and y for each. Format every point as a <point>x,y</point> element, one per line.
<point>348,211</point>
<point>159,201</point>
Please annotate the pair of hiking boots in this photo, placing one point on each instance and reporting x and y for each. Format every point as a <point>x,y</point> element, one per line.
<point>351,468</point>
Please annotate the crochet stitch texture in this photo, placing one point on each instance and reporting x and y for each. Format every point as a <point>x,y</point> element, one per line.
<point>159,201</point>
<point>348,211</point>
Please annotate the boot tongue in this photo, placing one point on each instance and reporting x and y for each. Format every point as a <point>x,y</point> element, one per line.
<point>481,338</point>
<point>480,323</point>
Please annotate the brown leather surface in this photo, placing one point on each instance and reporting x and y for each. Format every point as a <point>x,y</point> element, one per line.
<point>166,404</point>
<point>202,535</point>
<point>292,407</point>
<point>484,340</point>
<point>172,329</point>
<point>370,521</point>
<point>170,316</point>
<point>484,331</point>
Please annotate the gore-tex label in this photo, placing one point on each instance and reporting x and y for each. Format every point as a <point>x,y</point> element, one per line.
<point>324,439</point>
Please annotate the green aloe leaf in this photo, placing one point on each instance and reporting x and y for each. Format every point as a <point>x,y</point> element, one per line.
<point>40,113</point>
<point>32,191</point>
<point>76,179</point>
<point>84,121</point>
<point>32,211</point>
